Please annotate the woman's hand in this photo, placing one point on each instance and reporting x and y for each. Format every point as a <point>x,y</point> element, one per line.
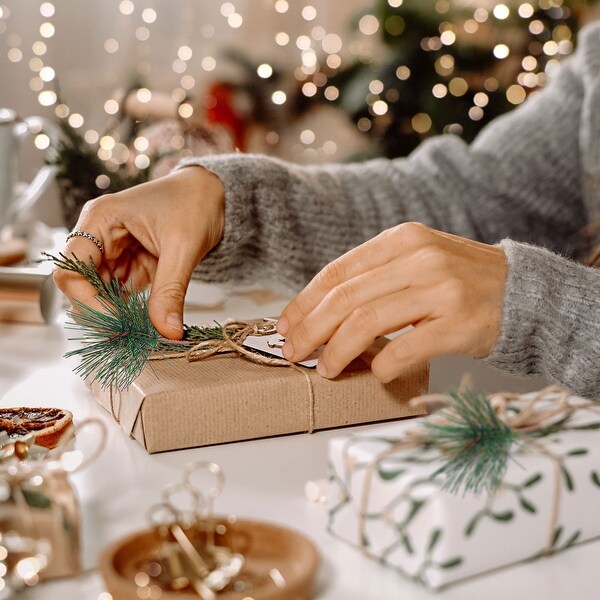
<point>449,288</point>
<point>154,233</point>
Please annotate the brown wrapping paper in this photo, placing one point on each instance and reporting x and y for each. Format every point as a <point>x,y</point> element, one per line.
<point>176,404</point>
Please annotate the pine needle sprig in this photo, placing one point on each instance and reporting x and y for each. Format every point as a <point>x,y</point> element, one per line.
<point>119,338</point>
<point>474,442</point>
<point>202,333</point>
<point>86,270</point>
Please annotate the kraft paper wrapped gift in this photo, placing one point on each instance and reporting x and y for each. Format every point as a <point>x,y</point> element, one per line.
<point>176,404</point>
<point>389,504</point>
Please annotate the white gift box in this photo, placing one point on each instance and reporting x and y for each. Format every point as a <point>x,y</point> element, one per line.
<point>386,502</point>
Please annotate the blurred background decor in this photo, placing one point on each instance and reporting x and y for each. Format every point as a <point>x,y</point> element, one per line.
<point>137,84</point>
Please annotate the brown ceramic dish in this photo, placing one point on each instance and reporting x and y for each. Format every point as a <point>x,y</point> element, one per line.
<point>265,547</point>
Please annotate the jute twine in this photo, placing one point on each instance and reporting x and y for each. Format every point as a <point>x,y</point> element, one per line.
<point>529,418</point>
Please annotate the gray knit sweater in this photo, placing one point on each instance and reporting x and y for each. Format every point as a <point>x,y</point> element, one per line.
<point>530,179</point>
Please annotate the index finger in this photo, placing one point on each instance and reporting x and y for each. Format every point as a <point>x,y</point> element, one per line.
<point>73,285</point>
<point>378,251</point>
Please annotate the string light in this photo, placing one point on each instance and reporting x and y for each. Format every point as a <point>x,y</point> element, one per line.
<point>536,27</point>
<point>330,147</point>
<point>91,136</point>
<point>281,6</point>
<point>501,11</point>
<point>481,15</point>
<point>309,13</point>
<point>149,15</point>
<point>501,51</point>
<point>376,86</point>
<point>76,120</point>
<point>188,82</point>
<point>282,38</point>
<point>475,113</point>
<point>235,21</point>
<point>447,38</point>
<point>439,90</point>
<point>369,25</point>
<point>14,55</point>
<point>126,7</point>
<point>318,55</point>
<point>278,97</point>
<point>47,98</point>
<point>515,94</point>
<point>209,63</point>
<point>185,110</point>
<point>47,30</point>
<point>379,107</point>
<point>332,93</point>
<point>307,136</point>
<point>61,111</point>
<point>264,71</point>
<point>525,10</point>
<point>481,99</point>
<point>421,123</point>
<point>331,43</point>
<point>111,107</point>
<point>334,61</point>
<point>39,48</point>
<point>47,74</point>
<point>364,124</point>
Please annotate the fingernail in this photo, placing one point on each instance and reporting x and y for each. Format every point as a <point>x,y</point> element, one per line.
<point>322,369</point>
<point>282,326</point>
<point>288,350</point>
<point>174,321</point>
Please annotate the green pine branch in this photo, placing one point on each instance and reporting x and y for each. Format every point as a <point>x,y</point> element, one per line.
<point>118,339</point>
<point>474,442</point>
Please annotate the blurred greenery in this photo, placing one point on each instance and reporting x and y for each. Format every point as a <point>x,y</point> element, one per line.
<point>411,34</point>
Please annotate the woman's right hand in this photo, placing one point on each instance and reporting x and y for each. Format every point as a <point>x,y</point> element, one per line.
<point>153,234</point>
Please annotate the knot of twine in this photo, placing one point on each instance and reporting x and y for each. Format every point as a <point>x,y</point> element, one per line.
<point>527,419</point>
<point>234,334</point>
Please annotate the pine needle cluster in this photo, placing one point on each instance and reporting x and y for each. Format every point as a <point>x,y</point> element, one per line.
<point>119,338</point>
<point>474,442</point>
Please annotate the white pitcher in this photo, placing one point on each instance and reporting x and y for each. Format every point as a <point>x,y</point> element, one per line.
<point>14,199</point>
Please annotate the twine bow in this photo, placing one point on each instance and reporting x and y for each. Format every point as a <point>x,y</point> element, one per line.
<point>234,334</point>
<point>523,417</point>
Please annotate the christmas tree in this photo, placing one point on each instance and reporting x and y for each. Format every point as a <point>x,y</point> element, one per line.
<point>450,67</point>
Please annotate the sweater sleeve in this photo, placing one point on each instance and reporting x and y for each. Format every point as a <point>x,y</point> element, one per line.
<point>521,178</point>
<point>551,319</point>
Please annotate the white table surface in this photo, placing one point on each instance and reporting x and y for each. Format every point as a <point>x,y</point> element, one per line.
<point>264,479</point>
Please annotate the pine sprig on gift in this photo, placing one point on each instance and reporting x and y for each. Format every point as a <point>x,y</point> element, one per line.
<point>474,442</point>
<point>119,338</point>
<point>204,333</point>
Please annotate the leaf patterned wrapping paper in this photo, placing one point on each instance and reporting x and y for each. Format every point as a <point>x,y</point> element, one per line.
<point>394,511</point>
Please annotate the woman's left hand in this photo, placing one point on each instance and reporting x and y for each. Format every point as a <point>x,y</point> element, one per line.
<point>448,288</point>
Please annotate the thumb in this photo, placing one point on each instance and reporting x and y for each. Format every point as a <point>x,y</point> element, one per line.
<point>167,295</point>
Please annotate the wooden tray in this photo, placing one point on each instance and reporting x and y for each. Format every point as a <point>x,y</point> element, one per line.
<point>265,547</point>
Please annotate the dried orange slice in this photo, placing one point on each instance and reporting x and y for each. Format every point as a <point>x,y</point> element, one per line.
<point>48,425</point>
